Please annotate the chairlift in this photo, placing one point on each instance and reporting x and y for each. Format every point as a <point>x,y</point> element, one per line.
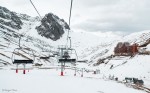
<point>64,52</point>
<point>23,56</point>
<point>66,55</point>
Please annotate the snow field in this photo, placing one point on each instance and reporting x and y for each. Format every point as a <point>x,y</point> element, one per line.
<point>50,81</point>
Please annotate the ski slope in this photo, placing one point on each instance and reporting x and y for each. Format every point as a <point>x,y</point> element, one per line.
<point>89,46</point>
<point>49,81</point>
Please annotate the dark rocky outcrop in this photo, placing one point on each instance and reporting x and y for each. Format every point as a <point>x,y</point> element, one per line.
<point>52,27</point>
<point>9,18</point>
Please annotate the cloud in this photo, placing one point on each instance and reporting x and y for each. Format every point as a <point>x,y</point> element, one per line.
<point>94,3</point>
<point>122,15</point>
<point>58,7</point>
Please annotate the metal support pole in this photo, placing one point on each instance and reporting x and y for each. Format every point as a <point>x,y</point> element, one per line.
<point>17,68</point>
<point>70,41</point>
<point>75,71</point>
<point>61,54</point>
<point>24,71</point>
<point>62,74</point>
<point>82,72</point>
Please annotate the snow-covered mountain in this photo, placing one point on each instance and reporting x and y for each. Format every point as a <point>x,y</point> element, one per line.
<point>140,38</point>
<point>9,18</point>
<point>51,31</point>
<point>52,27</point>
<point>32,30</point>
<point>121,66</point>
<point>41,38</point>
<point>42,35</point>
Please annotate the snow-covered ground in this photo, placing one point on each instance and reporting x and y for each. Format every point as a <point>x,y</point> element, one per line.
<point>89,46</point>
<point>50,81</point>
<point>137,67</point>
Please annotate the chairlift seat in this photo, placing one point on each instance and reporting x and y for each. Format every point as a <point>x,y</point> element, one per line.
<point>67,60</point>
<point>16,61</point>
<point>44,57</point>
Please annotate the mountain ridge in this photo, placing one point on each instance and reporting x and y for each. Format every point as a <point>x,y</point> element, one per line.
<point>51,26</point>
<point>90,48</point>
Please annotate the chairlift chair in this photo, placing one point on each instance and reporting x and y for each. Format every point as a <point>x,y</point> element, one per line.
<point>25,56</point>
<point>22,56</point>
<point>66,55</point>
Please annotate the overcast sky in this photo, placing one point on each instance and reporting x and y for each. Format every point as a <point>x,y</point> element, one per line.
<point>115,16</point>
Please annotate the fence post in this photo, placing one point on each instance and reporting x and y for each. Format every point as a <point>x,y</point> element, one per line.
<point>82,72</point>
<point>17,68</point>
<point>61,73</point>
<point>75,71</point>
<point>24,71</point>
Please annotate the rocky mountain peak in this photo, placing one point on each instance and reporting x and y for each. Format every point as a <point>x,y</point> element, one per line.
<point>9,18</point>
<point>52,27</point>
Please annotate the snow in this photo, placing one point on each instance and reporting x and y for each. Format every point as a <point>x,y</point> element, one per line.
<point>46,81</point>
<point>90,46</point>
<point>133,68</point>
<point>6,20</point>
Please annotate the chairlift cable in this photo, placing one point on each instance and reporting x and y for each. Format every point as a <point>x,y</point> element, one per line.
<point>25,33</point>
<point>39,17</point>
<point>69,22</point>
<point>36,9</point>
<point>70,12</point>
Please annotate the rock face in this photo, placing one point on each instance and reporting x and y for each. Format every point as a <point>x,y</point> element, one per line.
<point>9,18</point>
<point>52,27</point>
